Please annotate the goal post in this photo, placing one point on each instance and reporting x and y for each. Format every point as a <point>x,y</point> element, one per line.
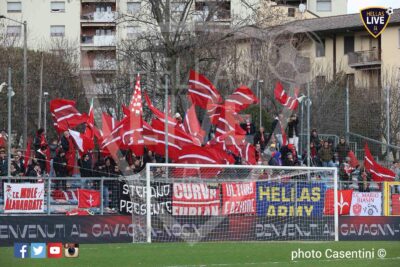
<point>197,203</point>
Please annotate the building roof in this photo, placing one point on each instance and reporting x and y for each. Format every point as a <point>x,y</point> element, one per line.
<point>337,23</point>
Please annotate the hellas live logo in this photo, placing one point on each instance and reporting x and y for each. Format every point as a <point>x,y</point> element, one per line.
<point>376,19</point>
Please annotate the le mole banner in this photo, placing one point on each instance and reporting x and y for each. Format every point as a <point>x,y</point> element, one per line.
<point>24,198</point>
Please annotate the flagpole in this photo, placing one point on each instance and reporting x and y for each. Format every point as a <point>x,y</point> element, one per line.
<point>166,118</point>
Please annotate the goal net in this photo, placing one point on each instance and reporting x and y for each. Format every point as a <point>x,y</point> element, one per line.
<point>203,203</point>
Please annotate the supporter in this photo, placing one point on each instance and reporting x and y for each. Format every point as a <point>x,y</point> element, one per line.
<point>179,121</point>
<point>325,155</point>
<point>41,156</point>
<point>53,146</point>
<point>345,173</point>
<point>13,170</point>
<point>137,166</point>
<point>18,165</point>
<point>64,142</point>
<point>276,129</point>
<point>314,161</point>
<point>248,127</point>
<point>259,153</point>
<point>290,160</point>
<point>85,164</point>
<point>61,169</point>
<point>342,149</point>
<point>3,162</point>
<point>148,157</point>
<point>37,140</point>
<point>314,138</point>
<point>293,132</point>
<point>34,171</point>
<point>98,170</point>
<point>108,167</point>
<point>276,159</point>
<point>269,151</point>
<point>261,138</point>
<point>364,179</point>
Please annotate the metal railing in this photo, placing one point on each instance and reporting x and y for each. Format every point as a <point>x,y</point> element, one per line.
<point>361,58</point>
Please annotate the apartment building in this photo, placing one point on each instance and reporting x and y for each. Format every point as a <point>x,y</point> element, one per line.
<point>321,8</point>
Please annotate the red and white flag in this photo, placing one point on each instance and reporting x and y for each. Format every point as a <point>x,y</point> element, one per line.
<point>378,172</point>
<point>88,198</point>
<point>192,126</point>
<point>290,102</point>
<point>65,115</point>
<point>241,98</point>
<point>82,142</point>
<point>344,201</point>
<point>248,154</point>
<point>158,113</point>
<point>201,91</point>
<point>228,121</point>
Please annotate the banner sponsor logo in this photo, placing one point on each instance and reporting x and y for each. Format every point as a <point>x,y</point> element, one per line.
<point>290,199</point>
<point>369,228</point>
<point>366,204</point>
<point>239,198</point>
<point>195,199</point>
<point>133,199</point>
<point>375,19</point>
<point>23,198</point>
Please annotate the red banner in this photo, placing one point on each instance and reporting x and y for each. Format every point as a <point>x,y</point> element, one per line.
<point>344,201</point>
<point>239,198</point>
<point>395,204</point>
<point>88,198</point>
<point>195,199</point>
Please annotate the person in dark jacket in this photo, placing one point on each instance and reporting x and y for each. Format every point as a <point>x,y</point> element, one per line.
<point>276,159</point>
<point>61,169</point>
<point>364,179</point>
<point>314,138</point>
<point>41,157</point>
<point>293,131</point>
<point>64,141</point>
<point>277,129</point>
<point>342,149</point>
<point>261,138</point>
<point>3,162</point>
<point>85,164</point>
<point>37,140</point>
<point>325,155</point>
<point>248,127</point>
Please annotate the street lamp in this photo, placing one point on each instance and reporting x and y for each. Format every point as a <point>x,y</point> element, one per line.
<point>45,94</point>
<point>10,94</point>
<point>25,85</point>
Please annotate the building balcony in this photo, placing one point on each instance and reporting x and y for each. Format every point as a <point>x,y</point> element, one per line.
<point>200,16</point>
<point>98,17</point>
<point>97,1</point>
<point>101,65</point>
<point>370,59</point>
<point>98,41</point>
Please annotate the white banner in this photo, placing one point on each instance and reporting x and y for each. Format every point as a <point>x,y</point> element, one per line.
<point>366,204</point>
<point>23,198</point>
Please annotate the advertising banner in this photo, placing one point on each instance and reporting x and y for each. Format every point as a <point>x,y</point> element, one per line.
<point>239,198</point>
<point>395,204</point>
<point>290,199</point>
<point>195,199</point>
<point>23,198</point>
<point>366,204</point>
<point>379,228</point>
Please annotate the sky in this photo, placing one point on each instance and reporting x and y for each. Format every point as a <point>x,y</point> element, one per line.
<point>354,6</point>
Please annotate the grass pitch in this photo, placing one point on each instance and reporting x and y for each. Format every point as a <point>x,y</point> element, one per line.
<point>212,254</point>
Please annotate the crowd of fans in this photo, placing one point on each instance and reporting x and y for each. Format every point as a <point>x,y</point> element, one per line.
<point>55,159</point>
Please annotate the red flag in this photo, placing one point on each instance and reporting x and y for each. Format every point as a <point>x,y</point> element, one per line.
<point>248,154</point>
<point>228,121</point>
<point>65,115</point>
<point>344,201</point>
<point>192,126</point>
<point>241,98</point>
<point>27,153</point>
<point>201,91</point>
<point>82,142</point>
<point>88,198</point>
<point>378,172</point>
<point>353,160</point>
<point>108,123</point>
<point>158,114</point>
<point>290,102</point>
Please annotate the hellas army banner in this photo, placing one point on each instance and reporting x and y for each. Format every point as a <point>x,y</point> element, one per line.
<point>23,198</point>
<point>290,199</point>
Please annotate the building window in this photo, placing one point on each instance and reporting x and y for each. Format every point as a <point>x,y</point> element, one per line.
<point>14,31</point>
<point>348,44</point>
<point>57,6</point>
<point>324,5</point>
<point>177,7</point>
<point>291,12</point>
<point>133,7</point>
<point>14,7</point>
<point>57,30</point>
<point>320,48</point>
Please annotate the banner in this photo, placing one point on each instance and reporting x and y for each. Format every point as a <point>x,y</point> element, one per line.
<point>395,204</point>
<point>23,198</point>
<point>366,204</point>
<point>290,199</point>
<point>239,198</point>
<point>369,228</point>
<point>195,199</point>
<point>133,198</point>
<point>344,201</point>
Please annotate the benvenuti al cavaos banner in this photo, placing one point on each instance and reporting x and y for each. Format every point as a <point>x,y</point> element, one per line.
<point>290,199</point>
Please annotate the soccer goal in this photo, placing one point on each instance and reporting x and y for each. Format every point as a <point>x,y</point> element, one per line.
<point>205,203</point>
